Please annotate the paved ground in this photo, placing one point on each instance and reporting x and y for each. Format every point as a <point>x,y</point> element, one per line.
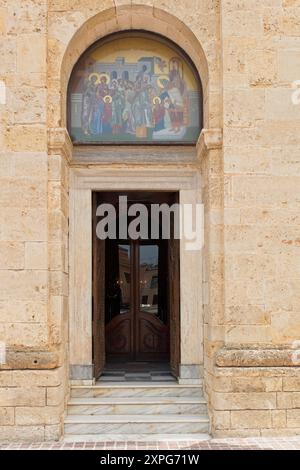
<point>213,444</point>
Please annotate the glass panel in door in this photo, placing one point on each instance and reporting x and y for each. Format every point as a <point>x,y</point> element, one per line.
<point>149,279</point>
<point>152,329</point>
<point>118,299</point>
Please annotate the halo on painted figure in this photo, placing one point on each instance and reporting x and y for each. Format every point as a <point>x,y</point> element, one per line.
<point>94,74</point>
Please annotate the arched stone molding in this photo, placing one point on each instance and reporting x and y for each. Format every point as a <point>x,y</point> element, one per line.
<point>80,31</point>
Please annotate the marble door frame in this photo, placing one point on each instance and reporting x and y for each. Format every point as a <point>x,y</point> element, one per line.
<point>185,180</point>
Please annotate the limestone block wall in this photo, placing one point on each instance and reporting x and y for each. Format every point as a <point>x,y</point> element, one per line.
<point>40,41</point>
<point>261,168</point>
<point>33,234</point>
<point>74,25</point>
<point>254,381</point>
<point>247,53</point>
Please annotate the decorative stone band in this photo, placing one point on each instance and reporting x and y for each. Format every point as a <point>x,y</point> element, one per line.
<point>258,358</point>
<point>59,142</point>
<point>128,154</point>
<point>30,360</point>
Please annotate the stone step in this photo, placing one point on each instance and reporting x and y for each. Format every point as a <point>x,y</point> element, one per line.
<point>195,437</point>
<point>136,424</point>
<point>150,405</point>
<point>137,390</point>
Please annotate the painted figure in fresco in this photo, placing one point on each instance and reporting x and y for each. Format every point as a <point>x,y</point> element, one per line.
<point>107,115</point>
<point>174,68</point>
<point>97,115</point>
<point>102,88</point>
<point>142,112</point>
<point>114,87</point>
<point>116,105</point>
<point>158,114</point>
<point>121,86</point>
<point>128,118</point>
<point>146,105</point>
<point>137,111</point>
<point>141,78</point>
<point>87,102</point>
<point>167,115</point>
<point>163,84</point>
<point>177,104</point>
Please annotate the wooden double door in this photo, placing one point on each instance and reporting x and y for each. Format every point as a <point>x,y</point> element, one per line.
<point>135,300</point>
<point>137,323</point>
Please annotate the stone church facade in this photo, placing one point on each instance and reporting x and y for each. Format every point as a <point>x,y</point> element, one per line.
<point>240,301</point>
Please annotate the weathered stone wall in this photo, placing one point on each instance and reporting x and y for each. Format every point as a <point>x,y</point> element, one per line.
<point>247,53</point>
<point>40,41</point>
<point>261,161</point>
<point>33,234</point>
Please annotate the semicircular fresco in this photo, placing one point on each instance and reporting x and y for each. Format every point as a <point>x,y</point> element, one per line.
<point>134,90</point>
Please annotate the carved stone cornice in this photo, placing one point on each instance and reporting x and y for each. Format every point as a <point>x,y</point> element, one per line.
<point>227,357</point>
<point>59,142</point>
<point>134,155</point>
<point>209,139</point>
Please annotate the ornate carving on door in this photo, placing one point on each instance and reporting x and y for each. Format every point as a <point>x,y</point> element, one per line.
<point>137,324</point>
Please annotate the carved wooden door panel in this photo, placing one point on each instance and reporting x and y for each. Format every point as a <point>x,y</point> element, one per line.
<point>137,325</point>
<point>152,325</point>
<point>119,300</point>
<point>98,298</point>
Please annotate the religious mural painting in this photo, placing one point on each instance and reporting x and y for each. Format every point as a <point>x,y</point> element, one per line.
<point>134,89</point>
